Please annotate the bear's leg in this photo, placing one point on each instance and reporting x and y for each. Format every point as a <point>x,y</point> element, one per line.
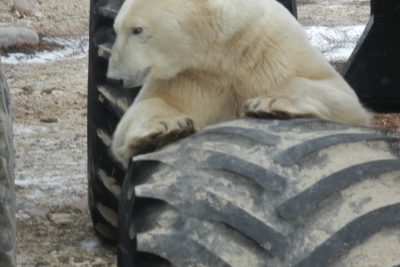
<point>146,125</point>
<point>330,99</point>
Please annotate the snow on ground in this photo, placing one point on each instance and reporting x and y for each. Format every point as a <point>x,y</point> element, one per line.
<point>64,151</point>
<point>72,48</point>
<point>336,43</point>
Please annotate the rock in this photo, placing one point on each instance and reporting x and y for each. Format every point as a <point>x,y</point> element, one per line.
<point>13,36</point>
<point>61,218</point>
<point>27,8</point>
<point>21,216</point>
<point>30,209</point>
<point>81,204</point>
<point>48,120</point>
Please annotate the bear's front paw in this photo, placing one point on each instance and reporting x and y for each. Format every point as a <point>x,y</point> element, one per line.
<point>149,136</point>
<point>273,107</point>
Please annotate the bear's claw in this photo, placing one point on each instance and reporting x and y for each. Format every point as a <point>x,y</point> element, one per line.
<point>152,135</point>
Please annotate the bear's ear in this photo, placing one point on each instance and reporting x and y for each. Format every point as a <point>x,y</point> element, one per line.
<point>136,30</point>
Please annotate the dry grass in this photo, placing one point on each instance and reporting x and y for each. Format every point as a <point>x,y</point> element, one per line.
<point>390,121</point>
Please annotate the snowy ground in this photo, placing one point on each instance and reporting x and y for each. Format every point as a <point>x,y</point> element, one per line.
<point>336,43</point>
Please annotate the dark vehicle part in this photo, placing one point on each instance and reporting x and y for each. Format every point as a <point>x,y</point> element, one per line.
<point>106,105</point>
<point>291,6</point>
<point>373,68</point>
<point>7,193</point>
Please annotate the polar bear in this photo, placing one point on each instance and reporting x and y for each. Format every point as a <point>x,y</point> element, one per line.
<point>201,62</point>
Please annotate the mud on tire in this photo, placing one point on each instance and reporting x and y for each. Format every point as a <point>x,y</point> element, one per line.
<point>265,193</point>
<point>7,193</point>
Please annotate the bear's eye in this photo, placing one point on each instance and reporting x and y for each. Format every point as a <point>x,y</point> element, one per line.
<point>137,30</point>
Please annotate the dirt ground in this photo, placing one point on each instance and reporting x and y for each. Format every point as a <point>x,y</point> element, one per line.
<point>49,101</point>
<point>49,110</point>
<point>60,18</point>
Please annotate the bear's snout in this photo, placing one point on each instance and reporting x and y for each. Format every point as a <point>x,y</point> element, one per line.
<point>125,79</point>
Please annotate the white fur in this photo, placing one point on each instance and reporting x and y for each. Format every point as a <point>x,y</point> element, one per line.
<point>207,59</point>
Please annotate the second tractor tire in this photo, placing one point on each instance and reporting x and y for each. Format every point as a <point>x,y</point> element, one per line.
<point>7,192</point>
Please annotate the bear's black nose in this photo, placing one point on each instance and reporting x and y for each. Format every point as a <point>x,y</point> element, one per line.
<point>115,82</point>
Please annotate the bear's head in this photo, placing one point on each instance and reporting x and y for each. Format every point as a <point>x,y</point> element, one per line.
<point>160,38</point>
<point>150,41</point>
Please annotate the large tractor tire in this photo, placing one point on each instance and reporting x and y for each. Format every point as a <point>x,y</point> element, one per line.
<point>253,192</point>
<point>7,193</point>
